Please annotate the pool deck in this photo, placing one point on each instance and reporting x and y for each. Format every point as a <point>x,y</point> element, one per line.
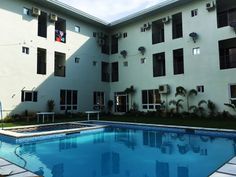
<point>227,170</point>
<point>9,169</point>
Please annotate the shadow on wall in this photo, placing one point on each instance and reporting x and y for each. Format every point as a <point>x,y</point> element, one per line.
<point>76,67</point>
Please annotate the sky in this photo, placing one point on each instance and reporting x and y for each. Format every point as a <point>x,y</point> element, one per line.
<point>111,10</point>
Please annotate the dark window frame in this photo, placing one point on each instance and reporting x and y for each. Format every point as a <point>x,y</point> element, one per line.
<point>159,66</point>
<point>178,61</point>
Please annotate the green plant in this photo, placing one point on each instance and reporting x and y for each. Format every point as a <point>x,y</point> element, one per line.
<point>50,105</point>
<point>110,105</point>
<point>181,91</point>
<point>231,105</point>
<point>212,107</point>
<point>178,104</point>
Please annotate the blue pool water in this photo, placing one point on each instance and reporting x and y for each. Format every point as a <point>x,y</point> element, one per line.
<point>121,152</point>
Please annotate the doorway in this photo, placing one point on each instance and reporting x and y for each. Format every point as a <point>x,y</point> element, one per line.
<point>121,102</point>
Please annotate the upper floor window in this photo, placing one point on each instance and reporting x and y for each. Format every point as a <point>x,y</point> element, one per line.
<point>60,64</point>
<point>177,26</point>
<point>42,24</point>
<point>159,64</point>
<point>26,11</point>
<point>105,72</point>
<point>25,50</point>
<point>196,51</point>
<point>158,34</point>
<point>178,61</point>
<point>227,51</point>
<point>41,61</point>
<point>194,12</point>
<point>226,12</point>
<point>29,95</point>
<point>115,72</point>
<point>77,29</point>
<point>114,44</point>
<point>60,30</point>
<point>200,88</point>
<point>105,46</point>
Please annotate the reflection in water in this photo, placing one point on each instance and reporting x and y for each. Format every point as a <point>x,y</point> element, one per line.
<point>119,152</point>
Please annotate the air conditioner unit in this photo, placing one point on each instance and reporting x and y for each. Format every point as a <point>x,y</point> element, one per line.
<point>147,26</point>
<point>118,35</point>
<point>166,19</point>
<point>164,89</point>
<point>210,6</point>
<point>53,17</point>
<point>101,42</point>
<point>36,12</point>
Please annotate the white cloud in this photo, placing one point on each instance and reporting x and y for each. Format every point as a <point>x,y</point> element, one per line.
<point>110,10</point>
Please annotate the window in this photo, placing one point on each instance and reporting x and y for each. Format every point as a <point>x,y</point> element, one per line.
<point>114,44</point>
<point>158,34</point>
<point>105,46</point>
<point>25,50</point>
<point>41,61</point>
<point>226,12</point>
<point>125,63</point>
<point>60,64</point>
<point>77,29</point>
<point>159,64</point>
<point>60,30</point>
<point>98,100</point>
<point>196,51</point>
<point>68,100</point>
<point>233,94</point>
<point>42,25</point>
<point>115,72</point>
<point>94,63</point>
<point>29,95</point>
<point>151,99</point>
<point>227,52</point>
<point>143,60</point>
<point>105,72</point>
<point>200,88</point>
<point>77,59</point>
<point>26,11</point>
<point>194,12</point>
<point>125,35</point>
<point>178,61</point>
<point>177,28</point>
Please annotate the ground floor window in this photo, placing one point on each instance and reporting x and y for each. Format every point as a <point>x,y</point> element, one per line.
<point>151,99</point>
<point>29,95</point>
<point>68,100</point>
<point>233,93</point>
<point>98,100</point>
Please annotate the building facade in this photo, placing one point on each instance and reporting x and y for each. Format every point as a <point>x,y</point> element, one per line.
<point>51,51</point>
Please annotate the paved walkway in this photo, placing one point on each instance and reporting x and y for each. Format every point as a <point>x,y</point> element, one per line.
<point>227,170</point>
<point>11,170</point>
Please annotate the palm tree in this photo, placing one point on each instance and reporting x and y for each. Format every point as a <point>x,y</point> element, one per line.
<point>130,91</point>
<point>184,93</point>
<point>177,104</point>
<point>199,108</point>
<point>211,106</point>
<point>231,105</point>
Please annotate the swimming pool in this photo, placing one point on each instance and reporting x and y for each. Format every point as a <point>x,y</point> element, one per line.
<point>118,151</point>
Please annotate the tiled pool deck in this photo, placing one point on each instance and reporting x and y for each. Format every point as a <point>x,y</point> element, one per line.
<point>227,170</point>
<point>9,169</point>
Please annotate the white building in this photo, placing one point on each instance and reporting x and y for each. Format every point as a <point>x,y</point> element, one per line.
<point>51,51</point>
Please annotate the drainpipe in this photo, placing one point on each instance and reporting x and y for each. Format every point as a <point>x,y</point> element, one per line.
<point>1,114</point>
